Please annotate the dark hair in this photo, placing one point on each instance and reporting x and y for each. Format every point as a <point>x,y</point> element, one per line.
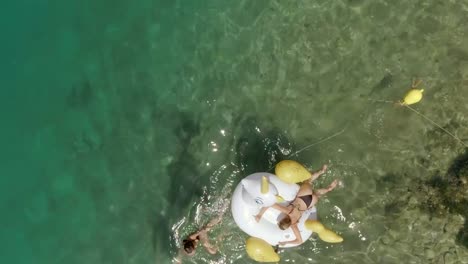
<point>189,245</point>
<point>285,223</point>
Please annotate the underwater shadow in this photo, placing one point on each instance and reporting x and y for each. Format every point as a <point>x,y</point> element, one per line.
<point>185,182</point>
<point>451,189</point>
<point>259,147</point>
<point>458,184</point>
<point>80,95</point>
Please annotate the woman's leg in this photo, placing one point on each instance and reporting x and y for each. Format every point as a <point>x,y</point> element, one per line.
<point>315,175</point>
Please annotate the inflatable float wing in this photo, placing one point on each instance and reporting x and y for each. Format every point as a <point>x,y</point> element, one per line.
<point>259,250</point>
<point>324,234</point>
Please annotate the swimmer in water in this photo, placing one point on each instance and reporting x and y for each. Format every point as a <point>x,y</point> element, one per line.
<point>190,244</point>
<point>306,198</point>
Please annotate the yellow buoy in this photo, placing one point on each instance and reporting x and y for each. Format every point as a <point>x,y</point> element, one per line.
<point>260,251</point>
<point>291,171</point>
<point>324,234</point>
<point>413,96</point>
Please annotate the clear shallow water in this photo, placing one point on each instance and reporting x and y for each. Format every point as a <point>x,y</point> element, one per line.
<point>126,125</point>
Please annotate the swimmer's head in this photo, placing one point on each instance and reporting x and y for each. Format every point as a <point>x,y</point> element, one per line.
<point>285,223</point>
<point>189,246</point>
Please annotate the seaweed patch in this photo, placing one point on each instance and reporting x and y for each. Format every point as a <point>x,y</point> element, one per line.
<point>449,194</point>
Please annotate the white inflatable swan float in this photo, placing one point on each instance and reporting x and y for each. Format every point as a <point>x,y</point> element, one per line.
<point>264,189</point>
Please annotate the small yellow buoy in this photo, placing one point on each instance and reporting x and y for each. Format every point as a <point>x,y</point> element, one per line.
<point>324,234</point>
<point>413,96</point>
<point>291,171</point>
<point>260,251</point>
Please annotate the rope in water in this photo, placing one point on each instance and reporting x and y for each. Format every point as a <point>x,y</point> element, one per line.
<point>382,101</point>
<point>320,141</point>
<point>439,126</point>
<point>315,143</point>
<point>425,117</point>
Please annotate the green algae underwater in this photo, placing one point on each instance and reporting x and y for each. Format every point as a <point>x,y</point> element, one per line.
<point>127,125</point>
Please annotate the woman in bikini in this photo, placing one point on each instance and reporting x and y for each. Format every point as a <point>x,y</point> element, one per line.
<point>190,243</point>
<point>306,198</point>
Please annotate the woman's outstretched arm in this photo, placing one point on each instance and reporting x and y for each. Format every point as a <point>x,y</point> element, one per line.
<point>279,207</point>
<point>194,236</point>
<point>298,239</point>
<point>217,219</point>
<point>260,214</point>
<point>283,209</point>
<point>207,245</point>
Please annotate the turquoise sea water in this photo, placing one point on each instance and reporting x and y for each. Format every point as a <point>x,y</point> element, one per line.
<point>127,124</point>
